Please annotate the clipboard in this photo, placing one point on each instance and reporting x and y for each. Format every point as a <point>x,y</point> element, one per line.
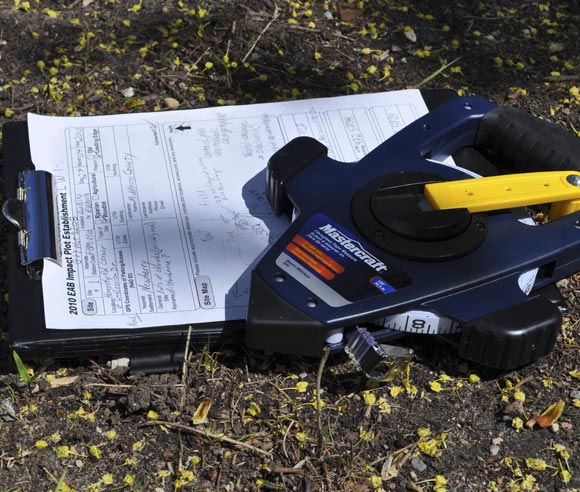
<point>158,349</point>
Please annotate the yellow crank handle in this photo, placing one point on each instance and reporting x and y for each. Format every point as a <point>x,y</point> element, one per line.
<point>562,188</point>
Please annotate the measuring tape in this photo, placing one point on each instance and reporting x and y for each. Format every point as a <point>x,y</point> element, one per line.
<point>429,323</point>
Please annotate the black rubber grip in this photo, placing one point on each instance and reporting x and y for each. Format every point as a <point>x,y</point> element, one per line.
<point>286,163</point>
<point>512,337</point>
<point>525,143</point>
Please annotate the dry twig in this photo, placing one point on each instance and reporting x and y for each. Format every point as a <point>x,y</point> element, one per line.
<point>255,43</point>
<point>325,354</point>
<point>211,435</point>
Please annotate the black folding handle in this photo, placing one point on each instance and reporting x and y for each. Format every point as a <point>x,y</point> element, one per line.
<point>525,143</point>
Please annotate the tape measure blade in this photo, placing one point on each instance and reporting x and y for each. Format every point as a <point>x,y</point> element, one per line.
<point>419,322</point>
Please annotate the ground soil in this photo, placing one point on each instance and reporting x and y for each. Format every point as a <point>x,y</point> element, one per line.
<point>80,425</point>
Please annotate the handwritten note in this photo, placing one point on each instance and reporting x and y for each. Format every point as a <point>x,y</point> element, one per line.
<point>161,216</point>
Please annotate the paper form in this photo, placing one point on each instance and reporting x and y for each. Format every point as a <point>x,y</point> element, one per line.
<point>162,215</point>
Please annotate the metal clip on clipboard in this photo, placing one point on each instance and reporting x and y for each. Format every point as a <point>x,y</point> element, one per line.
<point>33,212</point>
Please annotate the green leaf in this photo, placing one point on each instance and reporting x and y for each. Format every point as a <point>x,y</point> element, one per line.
<point>27,378</point>
<point>437,72</point>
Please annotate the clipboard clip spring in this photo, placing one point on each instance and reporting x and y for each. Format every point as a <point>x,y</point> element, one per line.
<point>32,211</point>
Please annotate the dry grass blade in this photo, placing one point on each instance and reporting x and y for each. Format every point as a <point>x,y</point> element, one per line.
<point>325,354</point>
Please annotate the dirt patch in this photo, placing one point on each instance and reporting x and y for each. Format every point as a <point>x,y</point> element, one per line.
<point>442,425</point>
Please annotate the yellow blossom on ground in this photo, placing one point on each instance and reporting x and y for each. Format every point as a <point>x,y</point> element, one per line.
<point>562,451</point>
<point>138,446</point>
<point>107,479</point>
<point>185,477</point>
<point>384,405</point>
<point>520,395</point>
<point>474,378</point>
<point>50,12</point>
<point>41,444</point>
<point>301,386</point>
<point>431,447</point>
<point>301,436</point>
<point>396,391</point>
<point>129,480</point>
<point>440,482</point>
<point>153,415</point>
<point>95,452</point>
<point>253,409</point>
<point>517,423</point>
<point>547,381</point>
<point>527,483</point>
<point>369,398</point>
<point>423,431</point>
<point>376,481</point>
<point>565,476</point>
<point>536,464</point>
<point>435,386</point>
<point>365,435</point>
<point>63,451</point>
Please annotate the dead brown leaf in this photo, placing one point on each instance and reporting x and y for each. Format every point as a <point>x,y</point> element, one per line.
<point>347,14</point>
<point>64,381</point>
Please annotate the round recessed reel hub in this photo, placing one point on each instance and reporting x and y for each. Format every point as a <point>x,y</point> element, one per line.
<point>392,212</point>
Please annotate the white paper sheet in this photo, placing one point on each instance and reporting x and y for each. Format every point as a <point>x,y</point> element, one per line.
<point>163,215</point>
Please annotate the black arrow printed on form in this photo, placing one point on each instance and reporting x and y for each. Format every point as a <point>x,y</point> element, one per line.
<point>182,128</point>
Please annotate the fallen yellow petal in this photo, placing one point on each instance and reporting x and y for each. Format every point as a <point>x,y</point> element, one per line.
<point>200,415</point>
<point>551,414</point>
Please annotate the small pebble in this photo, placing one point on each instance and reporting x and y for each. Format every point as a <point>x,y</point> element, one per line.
<point>418,464</point>
<point>303,375</point>
<point>575,394</point>
<point>555,427</point>
<point>497,440</point>
<point>494,449</point>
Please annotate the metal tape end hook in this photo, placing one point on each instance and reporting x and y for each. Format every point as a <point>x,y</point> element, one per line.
<point>370,356</point>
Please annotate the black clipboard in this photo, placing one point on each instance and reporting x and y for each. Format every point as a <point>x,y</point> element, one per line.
<point>158,349</point>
